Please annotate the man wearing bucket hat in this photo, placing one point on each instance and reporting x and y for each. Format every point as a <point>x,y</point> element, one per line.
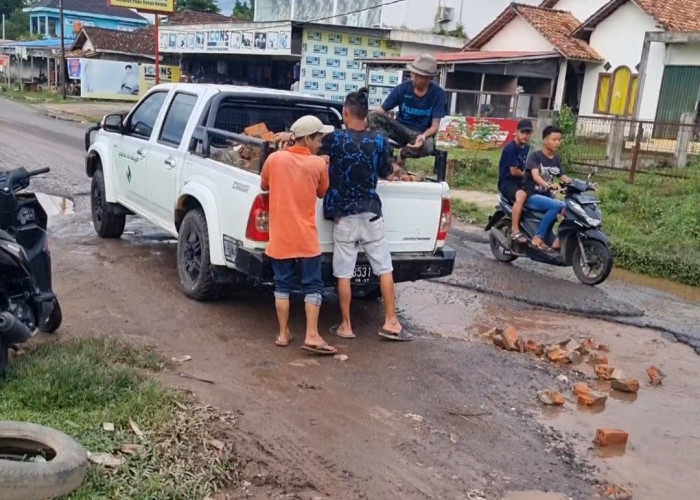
<point>421,105</point>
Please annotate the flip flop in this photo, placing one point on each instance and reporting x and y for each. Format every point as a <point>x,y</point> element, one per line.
<point>518,238</point>
<point>335,330</point>
<point>402,336</point>
<point>542,247</point>
<point>278,343</point>
<point>320,350</point>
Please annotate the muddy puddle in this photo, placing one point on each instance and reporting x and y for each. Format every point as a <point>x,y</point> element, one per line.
<point>662,456</point>
<point>687,292</point>
<point>55,206</point>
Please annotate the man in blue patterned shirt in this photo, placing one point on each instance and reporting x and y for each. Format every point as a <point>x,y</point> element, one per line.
<point>358,159</point>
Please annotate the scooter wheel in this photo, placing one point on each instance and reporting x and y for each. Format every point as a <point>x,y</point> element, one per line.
<point>600,262</point>
<point>55,319</point>
<point>501,254</point>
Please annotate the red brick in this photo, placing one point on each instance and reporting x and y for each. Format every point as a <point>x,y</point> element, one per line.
<point>534,348</point>
<point>510,337</point>
<point>581,388</point>
<point>626,385</point>
<point>598,358</point>
<point>656,376</point>
<point>611,437</point>
<point>592,399</point>
<point>552,398</point>
<point>603,372</point>
<point>559,355</point>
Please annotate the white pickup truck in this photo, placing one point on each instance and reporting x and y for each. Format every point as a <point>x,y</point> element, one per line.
<point>163,162</point>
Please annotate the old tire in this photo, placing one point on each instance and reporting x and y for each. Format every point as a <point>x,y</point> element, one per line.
<point>193,264</point>
<point>107,223</point>
<point>600,262</point>
<point>57,477</point>
<point>504,226</point>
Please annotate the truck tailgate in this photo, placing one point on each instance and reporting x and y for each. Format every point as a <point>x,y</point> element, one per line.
<point>411,216</point>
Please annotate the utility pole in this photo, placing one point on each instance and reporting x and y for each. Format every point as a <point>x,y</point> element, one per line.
<point>3,26</point>
<point>63,49</point>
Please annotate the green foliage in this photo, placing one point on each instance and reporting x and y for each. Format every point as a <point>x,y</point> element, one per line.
<point>77,385</point>
<point>200,5</point>
<point>570,150</point>
<point>243,11</point>
<point>654,225</point>
<point>7,7</point>
<point>17,26</point>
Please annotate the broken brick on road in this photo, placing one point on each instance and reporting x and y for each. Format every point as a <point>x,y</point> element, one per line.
<point>611,437</point>
<point>656,376</point>
<point>626,385</point>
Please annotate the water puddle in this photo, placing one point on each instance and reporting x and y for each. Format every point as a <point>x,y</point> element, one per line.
<point>688,292</point>
<point>55,206</point>
<point>662,456</point>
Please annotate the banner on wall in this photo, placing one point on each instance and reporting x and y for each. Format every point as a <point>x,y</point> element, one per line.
<point>331,67</point>
<point>241,38</point>
<point>476,133</point>
<point>4,62</point>
<point>121,80</point>
<point>74,65</point>
<point>163,6</point>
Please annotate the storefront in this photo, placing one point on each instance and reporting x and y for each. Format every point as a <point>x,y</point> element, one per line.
<point>255,54</point>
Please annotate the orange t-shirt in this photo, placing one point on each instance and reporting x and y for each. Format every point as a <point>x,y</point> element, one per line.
<point>295,179</point>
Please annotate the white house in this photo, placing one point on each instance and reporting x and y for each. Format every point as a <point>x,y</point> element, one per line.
<point>601,43</point>
<point>546,28</point>
<point>671,82</point>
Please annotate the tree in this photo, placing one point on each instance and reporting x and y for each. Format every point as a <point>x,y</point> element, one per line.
<point>17,26</point>
<point>7,7</point>
<point>200,5</point>
<point>243,11</point>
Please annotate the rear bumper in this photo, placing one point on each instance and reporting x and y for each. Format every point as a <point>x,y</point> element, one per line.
<point>407,267</point>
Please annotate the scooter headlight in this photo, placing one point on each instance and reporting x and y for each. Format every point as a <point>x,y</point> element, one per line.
<point>581,212</point>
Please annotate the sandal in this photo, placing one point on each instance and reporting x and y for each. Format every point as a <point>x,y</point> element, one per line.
<point>402,336</point>
<point>518,238</point>
<point>543,247</point>
<point>281,343</point>
<point>320,350</point>
<point>335,330</point>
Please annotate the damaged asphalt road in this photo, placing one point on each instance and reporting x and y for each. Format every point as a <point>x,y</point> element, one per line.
<point>441,417</point>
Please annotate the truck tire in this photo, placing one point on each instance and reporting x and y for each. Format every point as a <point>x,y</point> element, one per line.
<point>193,264</point>
<point>107,223</point>
<point>62,473</point>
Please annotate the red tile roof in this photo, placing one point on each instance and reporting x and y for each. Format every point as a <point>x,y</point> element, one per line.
<point>554,25</point>
<point>138,42</point>
<point>197,17</point>
<point>673,15</point>
<point>471,56</point>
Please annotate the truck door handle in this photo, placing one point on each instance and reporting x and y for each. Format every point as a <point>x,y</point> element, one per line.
<point>170,162</point>
<point>141,153</point>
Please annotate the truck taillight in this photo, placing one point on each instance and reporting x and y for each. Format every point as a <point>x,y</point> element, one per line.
<point>259,219</point>
<point>445,220</point>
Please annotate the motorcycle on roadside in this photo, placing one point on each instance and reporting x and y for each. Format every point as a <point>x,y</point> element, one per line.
<point>27,302</point>
<point>584,245</point>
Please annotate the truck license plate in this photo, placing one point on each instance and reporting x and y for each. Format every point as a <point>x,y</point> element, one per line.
<point>362,274</point>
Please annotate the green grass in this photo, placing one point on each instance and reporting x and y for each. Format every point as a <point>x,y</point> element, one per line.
<point>477,178</point>
<point>470,213</point>
<point>13,93</point>
<point>77,385</point>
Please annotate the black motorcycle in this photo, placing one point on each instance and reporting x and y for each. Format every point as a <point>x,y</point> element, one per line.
<point>27,303</point>
<point>584,245</point>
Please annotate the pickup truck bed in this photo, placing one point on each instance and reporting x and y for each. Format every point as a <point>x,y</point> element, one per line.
<point>157,162</point>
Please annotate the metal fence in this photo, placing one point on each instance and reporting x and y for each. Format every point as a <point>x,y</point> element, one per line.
<point>637,146</point>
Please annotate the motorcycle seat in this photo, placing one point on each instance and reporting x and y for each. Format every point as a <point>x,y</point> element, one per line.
<point>4,235</point>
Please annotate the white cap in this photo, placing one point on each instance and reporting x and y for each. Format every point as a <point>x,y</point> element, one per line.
<point>309,125</point>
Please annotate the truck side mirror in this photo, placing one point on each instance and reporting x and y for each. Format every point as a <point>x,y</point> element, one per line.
<point>113,123</point>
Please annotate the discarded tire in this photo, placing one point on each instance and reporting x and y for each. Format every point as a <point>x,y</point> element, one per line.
<point>24,479</point>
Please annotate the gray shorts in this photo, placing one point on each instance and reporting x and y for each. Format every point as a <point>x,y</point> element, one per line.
<point>355,232</point>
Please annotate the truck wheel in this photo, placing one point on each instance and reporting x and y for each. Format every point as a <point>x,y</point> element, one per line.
<point>60,472</point>
<point>193,262</point>
<point>107,223</point>
<point>497,249</point>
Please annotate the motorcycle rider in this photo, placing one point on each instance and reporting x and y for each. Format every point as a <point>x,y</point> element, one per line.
<point>511,174</point>
<point>540,170</point>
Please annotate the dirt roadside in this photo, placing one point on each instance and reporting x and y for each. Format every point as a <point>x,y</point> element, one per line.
<point>381,424</point>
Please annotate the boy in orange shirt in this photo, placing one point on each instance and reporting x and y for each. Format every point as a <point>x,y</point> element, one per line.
<point>296,179</point>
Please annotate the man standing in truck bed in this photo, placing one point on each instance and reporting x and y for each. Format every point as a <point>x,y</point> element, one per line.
<point>421,104</point>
